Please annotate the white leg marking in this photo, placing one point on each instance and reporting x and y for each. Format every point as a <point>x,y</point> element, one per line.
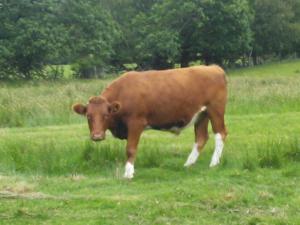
<point>203,108</point>
<point>218,150</point>
<point>193,156</point>
<point>129,170</point>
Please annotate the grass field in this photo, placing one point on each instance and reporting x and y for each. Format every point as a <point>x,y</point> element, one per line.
<point>51,173</point>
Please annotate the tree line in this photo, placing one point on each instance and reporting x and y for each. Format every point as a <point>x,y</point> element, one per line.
<point>98,36</point>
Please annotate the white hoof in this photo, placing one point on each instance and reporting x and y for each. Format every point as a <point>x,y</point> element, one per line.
<point>214,162</point>
<point>188,164</point>
<point>192,157</point>
<point>129,171</point>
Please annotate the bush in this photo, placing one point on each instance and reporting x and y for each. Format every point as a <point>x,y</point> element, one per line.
<point>87,68</point>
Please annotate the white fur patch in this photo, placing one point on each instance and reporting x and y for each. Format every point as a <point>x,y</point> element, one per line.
<point>129,170</point>
<point>193,156</point>
<point>218,150</point>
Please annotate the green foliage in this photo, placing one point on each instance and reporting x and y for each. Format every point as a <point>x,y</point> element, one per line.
<point>226,33</point>
<point>27,37</point>
<point>125,13</point>
<point>91,35</point>
<point>276,28</point>
<point>185,31</point>
<point>156,34</point>
<point>162,39</point>
<point>98,37</point>
<point>159,50</point>
<point>38,33</point>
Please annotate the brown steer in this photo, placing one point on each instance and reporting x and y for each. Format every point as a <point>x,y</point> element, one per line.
<point>167,100</point>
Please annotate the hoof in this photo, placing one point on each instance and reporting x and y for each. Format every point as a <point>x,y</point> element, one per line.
<point>213,163</point>
<point>129,171</point>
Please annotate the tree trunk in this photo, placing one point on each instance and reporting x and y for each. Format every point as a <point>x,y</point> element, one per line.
<point>254,57</point>
<point>184,59</point>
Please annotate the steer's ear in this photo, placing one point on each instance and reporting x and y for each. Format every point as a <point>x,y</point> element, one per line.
<point>114,107</point>
<point>79,108</point>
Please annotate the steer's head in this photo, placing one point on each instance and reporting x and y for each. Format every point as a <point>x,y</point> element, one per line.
<point>99,114</point>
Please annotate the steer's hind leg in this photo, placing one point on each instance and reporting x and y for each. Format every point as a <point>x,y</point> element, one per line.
<point>216,115</point>
<point>201,137</point>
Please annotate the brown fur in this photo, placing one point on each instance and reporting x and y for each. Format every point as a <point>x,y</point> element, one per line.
<point>161,100</point>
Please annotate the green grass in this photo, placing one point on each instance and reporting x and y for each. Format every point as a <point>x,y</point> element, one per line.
<point>66,70</point>
<point>49,102</point>
<point>44,102</point>
<point>284,68</point>
<point>51,173</point>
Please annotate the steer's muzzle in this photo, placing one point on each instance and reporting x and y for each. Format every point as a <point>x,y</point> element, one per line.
<point>98,137</point>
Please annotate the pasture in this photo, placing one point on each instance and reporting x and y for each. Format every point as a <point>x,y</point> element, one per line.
<point>51,173</point>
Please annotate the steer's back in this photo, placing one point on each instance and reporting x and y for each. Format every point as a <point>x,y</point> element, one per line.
<point>168,96</point>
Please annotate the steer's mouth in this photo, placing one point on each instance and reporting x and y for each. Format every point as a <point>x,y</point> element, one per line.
<point>98,137</point>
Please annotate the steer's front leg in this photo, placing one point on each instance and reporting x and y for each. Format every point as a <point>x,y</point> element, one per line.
<point>135,129</point>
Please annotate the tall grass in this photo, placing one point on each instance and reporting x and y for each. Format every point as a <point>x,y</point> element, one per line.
<point>52,157</point>
<point>47,103</point>
<point>272,154</point>
<point>47,155</point>
<point>44,102</point>
<point>251,95</point>
<point>69,151</point>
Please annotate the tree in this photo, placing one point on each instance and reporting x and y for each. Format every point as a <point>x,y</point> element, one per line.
<point>36,33</point>
<point>184,19</point>
<point>27,37</point>
<point>295,27</point>
<point>98,35</point>
<point>127,14</point>
<point>226,32</point>
<point>212,31</point>
<point>273,28</point>
<point>155,46</point>
<point>92,34</point>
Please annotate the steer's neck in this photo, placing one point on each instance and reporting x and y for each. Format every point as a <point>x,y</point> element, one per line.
<point>109,94</point>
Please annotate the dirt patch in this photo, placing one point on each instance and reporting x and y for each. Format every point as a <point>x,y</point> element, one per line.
<point>31,195</point>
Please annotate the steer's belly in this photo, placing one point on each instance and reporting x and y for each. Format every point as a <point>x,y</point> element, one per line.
<point>177,125</point>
